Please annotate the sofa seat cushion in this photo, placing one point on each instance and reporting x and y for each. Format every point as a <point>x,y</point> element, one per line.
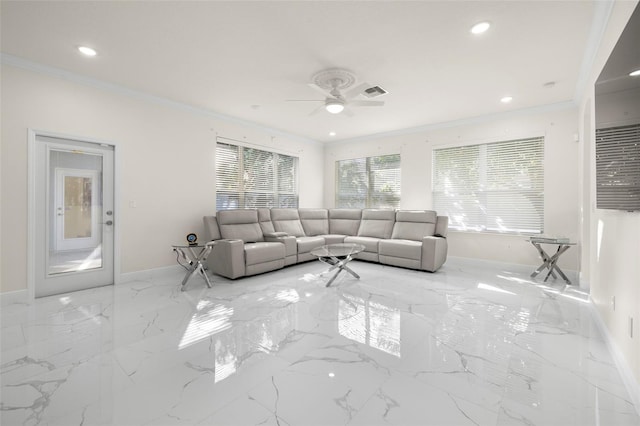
<point>306,244</point>
<point>333,238</point>
<point>262,252</point>
<point>407,249</point>
<point>370,244</point>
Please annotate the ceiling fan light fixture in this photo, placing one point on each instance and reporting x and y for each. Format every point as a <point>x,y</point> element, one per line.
<point>334,106</point>
<point>634,73</point>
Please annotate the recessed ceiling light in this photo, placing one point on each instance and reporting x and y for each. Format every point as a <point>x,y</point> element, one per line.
<point>634,73</point>
<point>506,99</point>
<point>332,133</point>
<point>480,27</point>
<point>87,51</point>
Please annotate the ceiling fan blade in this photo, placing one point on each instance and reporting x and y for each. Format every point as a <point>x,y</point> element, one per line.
<point>355,91</point>
<point>317,110</point>
<point>366,103</point>
<point>348,112</point>
<point>318,89</point>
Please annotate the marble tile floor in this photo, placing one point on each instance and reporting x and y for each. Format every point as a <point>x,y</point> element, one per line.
<point>473,344</point>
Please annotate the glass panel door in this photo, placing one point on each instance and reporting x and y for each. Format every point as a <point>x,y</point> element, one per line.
<point>77,207</point>
<point>76,190</point>
<point>74,209</point>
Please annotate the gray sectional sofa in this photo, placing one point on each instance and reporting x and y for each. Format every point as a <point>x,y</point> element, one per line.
<point>253,241</point>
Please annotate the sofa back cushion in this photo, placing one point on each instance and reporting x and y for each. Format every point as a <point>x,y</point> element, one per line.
<point>211,230</point>
<point>314,221</point>
<point>264,219</point>
<point>344,221</point>
<point>240,224</point>
<point>287,220</point>
<point>377,223</point>
<point>413,225</point>
<point>442,227</point>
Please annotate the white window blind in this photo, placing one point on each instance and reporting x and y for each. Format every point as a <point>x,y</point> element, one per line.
<point>618,168</point>
<point>494,187</point>
<point>371,182</point>
<point>253,178</point>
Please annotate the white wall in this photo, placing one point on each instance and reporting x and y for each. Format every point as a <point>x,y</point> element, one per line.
<point>558,126</point>
<point>618,108</point>
<point>612,261</point>
<point>167,164</point>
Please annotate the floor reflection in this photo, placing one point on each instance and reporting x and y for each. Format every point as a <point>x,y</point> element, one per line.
<point>369,322</point>
<point>232,338</point>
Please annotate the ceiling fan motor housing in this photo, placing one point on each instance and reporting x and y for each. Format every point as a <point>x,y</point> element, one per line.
<point>334,79</point>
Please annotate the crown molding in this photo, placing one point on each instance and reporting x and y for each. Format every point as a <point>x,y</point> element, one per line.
<point>28,65</point>
<point>601,16</point>
<point>559,106</point>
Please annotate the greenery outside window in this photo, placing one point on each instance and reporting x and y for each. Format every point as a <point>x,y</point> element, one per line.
<point>493,187</point>
<point>253,178</point>
<point>371,182</point>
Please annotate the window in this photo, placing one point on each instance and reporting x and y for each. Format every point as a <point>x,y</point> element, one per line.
<point>372,182</point>
<point>496,187</point>
<point>252,178</point>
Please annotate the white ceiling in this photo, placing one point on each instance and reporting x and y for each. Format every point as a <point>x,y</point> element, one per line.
<point>244,59</point>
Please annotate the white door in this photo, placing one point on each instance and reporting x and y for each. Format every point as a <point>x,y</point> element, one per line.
<point>73,215</point>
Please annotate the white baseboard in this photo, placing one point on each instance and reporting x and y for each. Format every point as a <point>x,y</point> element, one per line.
<point>22,296</point>
<point>11,297</point>
<point>148,274</point>
<point>630,383</point>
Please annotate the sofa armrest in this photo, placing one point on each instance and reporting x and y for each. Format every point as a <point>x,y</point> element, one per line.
<point>434,253</point>
<point>227,258</point>
<point>289,241</point>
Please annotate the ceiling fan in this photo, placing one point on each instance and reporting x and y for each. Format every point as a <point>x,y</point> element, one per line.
<point>332,83</point>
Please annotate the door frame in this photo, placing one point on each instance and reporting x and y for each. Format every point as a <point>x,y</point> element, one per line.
<point>32,134</point>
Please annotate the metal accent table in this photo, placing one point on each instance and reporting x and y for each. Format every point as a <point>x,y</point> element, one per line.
<point>194,261</point>
<point>337,256</point>
<point>551,262</point>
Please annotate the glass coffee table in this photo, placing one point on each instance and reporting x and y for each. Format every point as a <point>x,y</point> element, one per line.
<point>337,256</point>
